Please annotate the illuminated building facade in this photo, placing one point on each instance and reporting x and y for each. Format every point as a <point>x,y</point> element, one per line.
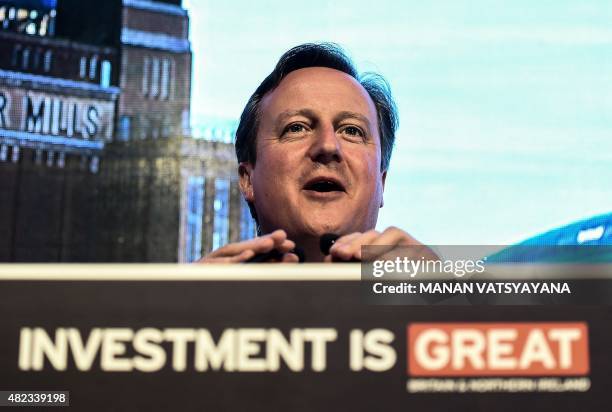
<point>58,99</point>
<point>96,158</point>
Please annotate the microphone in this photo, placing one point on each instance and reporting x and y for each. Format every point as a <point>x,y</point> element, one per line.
<point>327,241</point>
<point>276,255</point>
<point>300,254</point>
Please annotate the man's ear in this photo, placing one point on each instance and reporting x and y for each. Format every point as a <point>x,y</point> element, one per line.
<point>245,171</point>
<point>384,178</point>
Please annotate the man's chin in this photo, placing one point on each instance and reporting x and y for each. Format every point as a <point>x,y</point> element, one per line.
<point>319,228</point>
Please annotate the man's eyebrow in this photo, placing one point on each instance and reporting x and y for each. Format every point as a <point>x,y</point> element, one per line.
<point>353,115</point>
<point>282,116</point>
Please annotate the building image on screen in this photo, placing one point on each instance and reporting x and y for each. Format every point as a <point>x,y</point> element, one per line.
<point>97,156</point>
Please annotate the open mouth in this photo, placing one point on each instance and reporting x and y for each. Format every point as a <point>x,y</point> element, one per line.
<point>324,185</point>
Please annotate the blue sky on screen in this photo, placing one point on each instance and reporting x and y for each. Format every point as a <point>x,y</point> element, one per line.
<point>505,107</point>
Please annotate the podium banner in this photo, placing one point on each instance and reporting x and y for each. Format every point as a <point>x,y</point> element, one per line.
<point>286,337</point>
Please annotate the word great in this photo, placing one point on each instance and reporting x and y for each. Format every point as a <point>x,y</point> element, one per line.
<point>476,349</point>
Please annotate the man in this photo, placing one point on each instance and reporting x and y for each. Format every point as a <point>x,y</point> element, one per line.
<point>313,146</point>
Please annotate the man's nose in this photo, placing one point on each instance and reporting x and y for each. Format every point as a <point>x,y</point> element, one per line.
<point>326,146</point>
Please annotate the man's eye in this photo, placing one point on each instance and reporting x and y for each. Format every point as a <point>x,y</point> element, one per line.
<point>295,128</point>
<point>353,131</point>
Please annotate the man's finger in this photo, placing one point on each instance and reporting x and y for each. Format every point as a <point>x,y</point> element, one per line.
<point>242,257</point>
<point>286,246</point>
<point>290,258</point>
<point>404,245</point>
<point>260,244</point>
<point>346,239</point>
<point>342,242</point>
<point>234,249</point>
<point>385,242</point>
<point>348,250</point>
<point>278,236</point>
<point>390,236</point>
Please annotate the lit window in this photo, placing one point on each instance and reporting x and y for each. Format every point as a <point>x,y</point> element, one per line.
<point>155,78</point>
<point>145,76</point>
<point>82,67</point>
<point>51,29</point>
<point>221,216</point>
<point>105,73</point>
<point>172,79</point>
<point>93,67</point>
<point>47,60</point>
<point>44,24</point>
<point>3,104</point>
<point>61,160</point>
<point>25,58</point>
<point>15,154</point>
<point>185,122</point>
<point>94,164</point>
<point>3,152</point>
<point>50,157</point>
<point>165,81</point>
<point>125,124</point>
<point>195,214</point>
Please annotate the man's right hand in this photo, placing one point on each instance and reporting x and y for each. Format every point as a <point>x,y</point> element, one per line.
<point>243,251</point>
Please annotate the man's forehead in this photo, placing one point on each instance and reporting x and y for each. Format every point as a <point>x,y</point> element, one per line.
<point>328,89</point>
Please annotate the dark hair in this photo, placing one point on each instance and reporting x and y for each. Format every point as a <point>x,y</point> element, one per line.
<point>328,55</point>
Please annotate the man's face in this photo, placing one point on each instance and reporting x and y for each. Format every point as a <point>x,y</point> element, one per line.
<point>318,157</point>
